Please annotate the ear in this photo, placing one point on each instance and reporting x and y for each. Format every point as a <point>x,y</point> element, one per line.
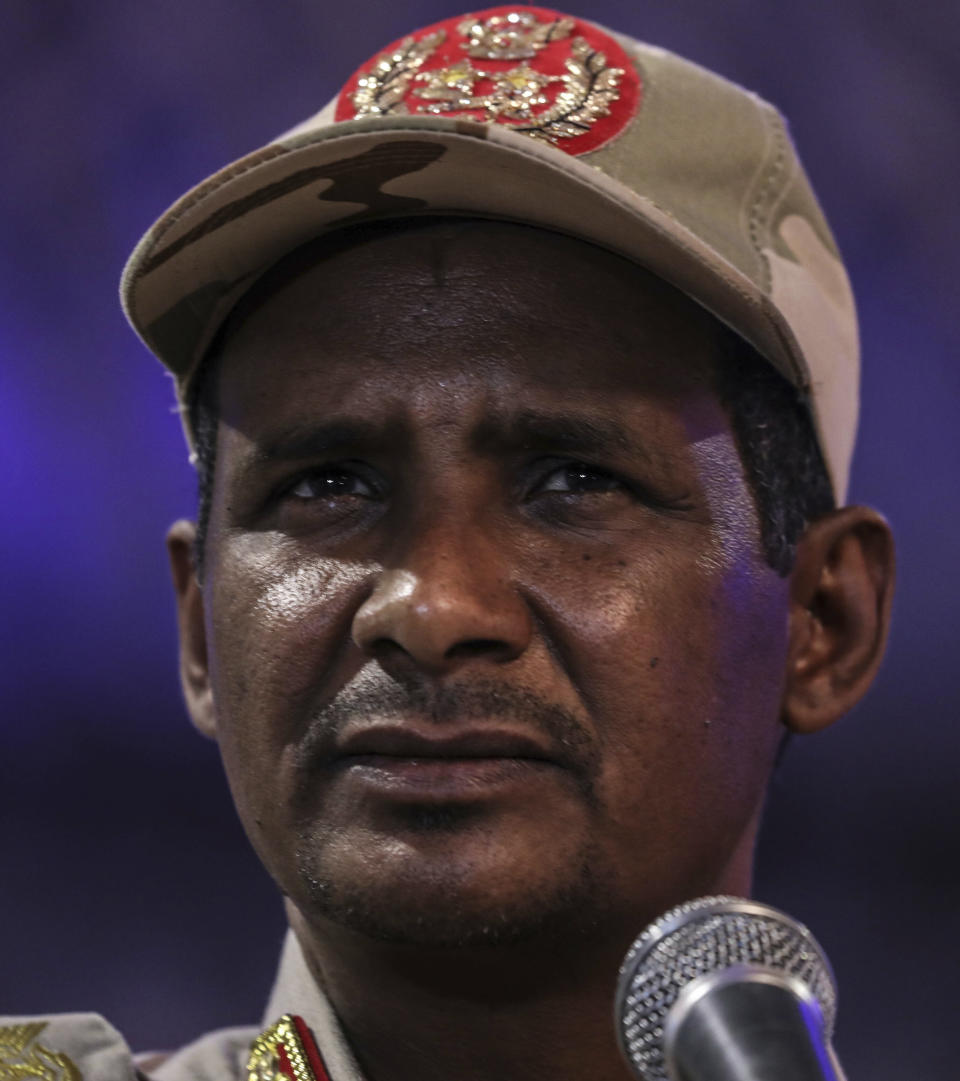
<point>194,669</point>
<point>840,598</point>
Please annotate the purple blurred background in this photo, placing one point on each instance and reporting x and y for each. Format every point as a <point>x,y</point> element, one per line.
<point>125,885</point>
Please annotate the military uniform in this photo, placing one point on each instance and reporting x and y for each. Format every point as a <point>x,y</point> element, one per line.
<point>300,1039</point>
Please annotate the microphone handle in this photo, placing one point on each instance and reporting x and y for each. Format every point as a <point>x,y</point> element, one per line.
<point>748,1027</point>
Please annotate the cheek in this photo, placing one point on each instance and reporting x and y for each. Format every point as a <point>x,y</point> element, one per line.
<point>666,621</point>
<point>679,656</point>
<point>276,621</point>
<point>685,690</point>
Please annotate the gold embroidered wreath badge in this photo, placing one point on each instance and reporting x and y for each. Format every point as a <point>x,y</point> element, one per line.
<point>24,1058</point>
<point>543,74</point>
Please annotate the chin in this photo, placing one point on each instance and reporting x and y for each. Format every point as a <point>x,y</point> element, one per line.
<point>405,897</point>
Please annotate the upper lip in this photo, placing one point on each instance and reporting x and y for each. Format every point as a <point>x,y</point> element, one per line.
<point>404,741</point>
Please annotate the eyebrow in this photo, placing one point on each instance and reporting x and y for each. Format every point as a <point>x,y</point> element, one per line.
<point>305,441</point>
<point>558,431</point>
<point>526,430</point>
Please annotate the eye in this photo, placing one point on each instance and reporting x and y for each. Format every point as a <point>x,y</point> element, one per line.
<point>575,478</point>
<point>331,482</point>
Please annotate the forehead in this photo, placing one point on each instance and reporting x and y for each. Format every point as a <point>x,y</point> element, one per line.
<point>466,301</point>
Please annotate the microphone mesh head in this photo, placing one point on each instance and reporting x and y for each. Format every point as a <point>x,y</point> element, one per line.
<point>695,939</point>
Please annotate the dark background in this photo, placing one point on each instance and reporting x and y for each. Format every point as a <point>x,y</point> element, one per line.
<point>125,886</point>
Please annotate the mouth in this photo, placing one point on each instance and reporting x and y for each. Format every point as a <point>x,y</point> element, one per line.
<point>405,762</point>
<point>407,741</point>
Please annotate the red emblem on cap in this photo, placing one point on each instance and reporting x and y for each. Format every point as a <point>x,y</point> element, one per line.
<point>550,76</point>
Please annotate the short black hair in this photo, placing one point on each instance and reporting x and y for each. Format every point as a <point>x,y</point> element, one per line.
<point>778,447</point>
<point>203,419</point>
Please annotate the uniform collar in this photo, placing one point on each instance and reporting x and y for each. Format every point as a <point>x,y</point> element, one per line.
<point>297,993</point>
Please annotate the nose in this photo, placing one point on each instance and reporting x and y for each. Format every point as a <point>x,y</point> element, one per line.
<point>450,600</point>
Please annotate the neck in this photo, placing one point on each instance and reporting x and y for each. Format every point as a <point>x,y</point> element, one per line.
<point>492,1014</point>
<point>536,1011</point>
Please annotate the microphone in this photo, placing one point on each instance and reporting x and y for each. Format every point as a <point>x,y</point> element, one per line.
<point>726,989</point>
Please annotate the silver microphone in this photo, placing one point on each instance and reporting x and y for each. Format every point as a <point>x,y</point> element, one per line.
<point>726,989</point>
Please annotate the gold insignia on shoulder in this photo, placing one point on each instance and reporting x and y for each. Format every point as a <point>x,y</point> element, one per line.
<point>285,1052</point>
<point>23,1058</point>
<point>382,89</point>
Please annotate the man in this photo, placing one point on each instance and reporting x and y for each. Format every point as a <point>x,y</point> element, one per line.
<point>521,382</point>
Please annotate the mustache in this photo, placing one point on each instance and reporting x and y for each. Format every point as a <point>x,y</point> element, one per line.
<point>571,743</point>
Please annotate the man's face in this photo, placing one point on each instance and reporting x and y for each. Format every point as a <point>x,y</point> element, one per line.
<point>492,643</point>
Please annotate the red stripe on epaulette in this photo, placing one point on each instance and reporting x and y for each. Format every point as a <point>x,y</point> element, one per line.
<point>310,1049</point>
<point>284,1065</point>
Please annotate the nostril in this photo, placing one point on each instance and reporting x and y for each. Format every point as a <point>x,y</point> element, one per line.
<point>385,649</point>
<point>478,647</point>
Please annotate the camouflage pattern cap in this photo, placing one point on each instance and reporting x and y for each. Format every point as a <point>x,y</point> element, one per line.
<point>524,114</point>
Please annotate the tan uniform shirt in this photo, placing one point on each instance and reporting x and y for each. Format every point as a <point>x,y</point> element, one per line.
<point>86,1047</point>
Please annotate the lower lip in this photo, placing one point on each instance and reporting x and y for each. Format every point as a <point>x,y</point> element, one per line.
<point>442,779</point>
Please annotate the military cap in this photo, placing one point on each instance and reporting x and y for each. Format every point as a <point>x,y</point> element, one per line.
<point>528,115</point>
